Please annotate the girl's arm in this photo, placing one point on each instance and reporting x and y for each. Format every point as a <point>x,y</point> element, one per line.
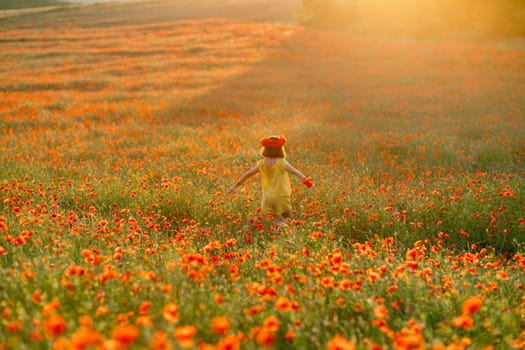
<point>243,178</point>
<point>294,171</point>
<point>306,180</point>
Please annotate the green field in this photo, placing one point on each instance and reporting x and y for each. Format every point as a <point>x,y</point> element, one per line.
<point>123,125</point>
<point>20,4</point>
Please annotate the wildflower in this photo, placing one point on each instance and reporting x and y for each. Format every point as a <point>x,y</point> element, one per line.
<point>266,337</point>
<point>37,298</point>
<point>166,288</point>
<point>144,321</point>
<point>308,182</point>
<point>502,275</point>
<point>409,339</point>
<point>62,343</point>
<point>305,251</point>
<point>144,307</point>
<point>125,334</point>
<point>35,336</point>
<point>380,311</point>
<point>50,308</point>
<point>84,338</point>
<point>282,303</point>
<point>463,321</point>
<point>218,298</point>
<point>184,336</point>
<point>271,323</point>
<point>101,311</point>
<point>471,305</point>
<point>338,342</point>
<point>328,282</point>
<point>392,288</point>
<point>229,342</point>
<point>160,341</point>
<point>55,325</point>
<point>492,286</point>
<point>346,284</point>
<point>171,313</point>
<point>220,325</point>
<point>14,327</point>
<point>290,335</point>
<point>86,322</point>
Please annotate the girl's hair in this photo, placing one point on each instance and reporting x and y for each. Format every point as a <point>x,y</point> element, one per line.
<point>273,147</point>
<point>273,152</point>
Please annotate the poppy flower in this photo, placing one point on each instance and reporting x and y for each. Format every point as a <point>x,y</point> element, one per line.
<point>282,303</point>
<point>220,325</point>
<point>271,323</point>
<point>55,325</point>
<point>471,305</point>
<point>171,313</point>
<point>160,341</point>
<point>338,342</point>
<point>218,298</point>
<point>184,336</point>
<point>463,321</point>
<point>229,342</point>
<point>266,337</point>
<point>14,327</point>
<point>84,338</point>
<point>144,307</point>
<point>125,334</point>
<point>308,182</point>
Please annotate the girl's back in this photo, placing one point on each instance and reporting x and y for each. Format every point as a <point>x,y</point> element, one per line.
<point>274,177</point>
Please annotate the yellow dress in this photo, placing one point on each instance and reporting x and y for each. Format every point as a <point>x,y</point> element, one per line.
<point>276,188</point>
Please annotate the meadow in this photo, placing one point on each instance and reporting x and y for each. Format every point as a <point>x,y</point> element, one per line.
<point>122,127</point>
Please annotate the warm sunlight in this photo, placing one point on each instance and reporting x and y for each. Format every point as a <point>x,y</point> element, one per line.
<point>422,17</point>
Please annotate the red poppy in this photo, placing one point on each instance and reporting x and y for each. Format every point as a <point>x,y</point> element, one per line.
<point>171,313</point>
<point>55,325</point>
<point>308,182</point>
<point>125,334</point>
<point>471,305</point>
<point>463,321</point>
<point>339,342</point>
<point>220,325</point>
<point>184,336</point>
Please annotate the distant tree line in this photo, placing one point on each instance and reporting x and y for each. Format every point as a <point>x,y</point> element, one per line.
<point>480,18</point>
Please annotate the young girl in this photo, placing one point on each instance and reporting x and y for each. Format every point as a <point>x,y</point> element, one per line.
<point>274,169</point>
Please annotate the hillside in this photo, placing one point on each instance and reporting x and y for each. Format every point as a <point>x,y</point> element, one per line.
<point>118,13</point>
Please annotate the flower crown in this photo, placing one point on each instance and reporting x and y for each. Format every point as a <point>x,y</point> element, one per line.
<point>273,141</point>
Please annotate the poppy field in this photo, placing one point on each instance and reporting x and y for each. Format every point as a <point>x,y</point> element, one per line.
<point>120,136</point>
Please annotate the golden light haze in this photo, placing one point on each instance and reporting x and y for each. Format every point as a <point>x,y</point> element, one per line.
<point>423,17</point>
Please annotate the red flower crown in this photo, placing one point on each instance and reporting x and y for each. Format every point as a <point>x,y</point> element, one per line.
<point>273,141</point>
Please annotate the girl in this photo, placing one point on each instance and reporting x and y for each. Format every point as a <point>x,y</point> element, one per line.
<point>274,169</point>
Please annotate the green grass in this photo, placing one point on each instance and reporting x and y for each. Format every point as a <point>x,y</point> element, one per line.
<point>21,4</point>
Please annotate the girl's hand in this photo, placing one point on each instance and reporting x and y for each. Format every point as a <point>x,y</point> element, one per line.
<point>232,188</point>
<point>308,182</point>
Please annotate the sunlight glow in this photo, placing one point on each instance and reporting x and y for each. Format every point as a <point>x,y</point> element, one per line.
<point>425,16</point>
